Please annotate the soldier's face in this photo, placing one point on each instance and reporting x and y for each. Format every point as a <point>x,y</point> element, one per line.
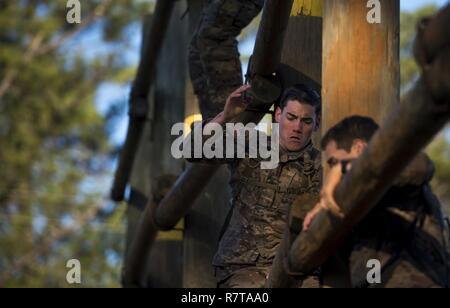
<point>334,155</point>
<point>297,123</point>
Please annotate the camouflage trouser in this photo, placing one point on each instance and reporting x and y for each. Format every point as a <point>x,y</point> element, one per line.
<point>214,63</point>
<point>420,264</point>
<point>404,272</point>
<point>254,277</point>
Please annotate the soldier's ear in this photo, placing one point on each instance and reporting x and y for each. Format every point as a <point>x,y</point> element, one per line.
<point>278,113</point>
<point>318,121</point>
<point>358,146</point>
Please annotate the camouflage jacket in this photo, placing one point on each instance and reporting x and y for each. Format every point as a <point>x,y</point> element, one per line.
<point>260,204</point>
<point>404,232</point>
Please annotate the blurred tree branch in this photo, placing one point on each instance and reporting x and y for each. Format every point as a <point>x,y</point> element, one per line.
<point>37,48</point>
<point>80,221</point>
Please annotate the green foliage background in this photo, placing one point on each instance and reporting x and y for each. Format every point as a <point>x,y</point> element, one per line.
<point>55,151</point>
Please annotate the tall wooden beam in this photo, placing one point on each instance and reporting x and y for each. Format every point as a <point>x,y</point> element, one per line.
<point>360,60</point>
<point>151,47</point>
<point>203,223</point>
<point>161,266</point>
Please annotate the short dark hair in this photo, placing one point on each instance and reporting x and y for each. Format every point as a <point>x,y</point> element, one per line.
<point>303,94</point>
<point>348,130</point>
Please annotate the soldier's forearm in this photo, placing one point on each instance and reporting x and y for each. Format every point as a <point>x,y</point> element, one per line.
<point>219,119</point>
<point>201,134</point>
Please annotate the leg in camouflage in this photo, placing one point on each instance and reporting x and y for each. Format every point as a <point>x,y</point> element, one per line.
<point>254,277</point>
<point>247,278</point>
<point>407,272</point>
<point>214,64</point>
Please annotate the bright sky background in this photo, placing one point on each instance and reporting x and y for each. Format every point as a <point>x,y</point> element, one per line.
<point>410,5</point>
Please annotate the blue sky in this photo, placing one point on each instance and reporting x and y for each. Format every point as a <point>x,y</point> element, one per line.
<point>410,5</point>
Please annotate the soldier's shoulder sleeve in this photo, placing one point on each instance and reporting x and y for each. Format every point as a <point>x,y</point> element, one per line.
<point>418,172</point>
<point>316,179</point>
<point>316,156</point>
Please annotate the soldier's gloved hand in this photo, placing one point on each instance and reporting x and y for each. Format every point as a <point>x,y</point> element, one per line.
<point>327,202</point>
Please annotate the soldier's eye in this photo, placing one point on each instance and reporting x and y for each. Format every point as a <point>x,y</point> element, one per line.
<point>307,121</point>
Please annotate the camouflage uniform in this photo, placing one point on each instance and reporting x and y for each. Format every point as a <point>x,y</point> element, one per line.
<point>258,217</point>
<point>214,64</point>
<point>405,233</point>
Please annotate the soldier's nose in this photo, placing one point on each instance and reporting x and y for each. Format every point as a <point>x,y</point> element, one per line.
<point>298,129</point>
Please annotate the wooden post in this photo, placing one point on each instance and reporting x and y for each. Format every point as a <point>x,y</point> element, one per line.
<point>154,34</point>
<point>361,68</point>
<point>162,267</point>
<point>205,220</point>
